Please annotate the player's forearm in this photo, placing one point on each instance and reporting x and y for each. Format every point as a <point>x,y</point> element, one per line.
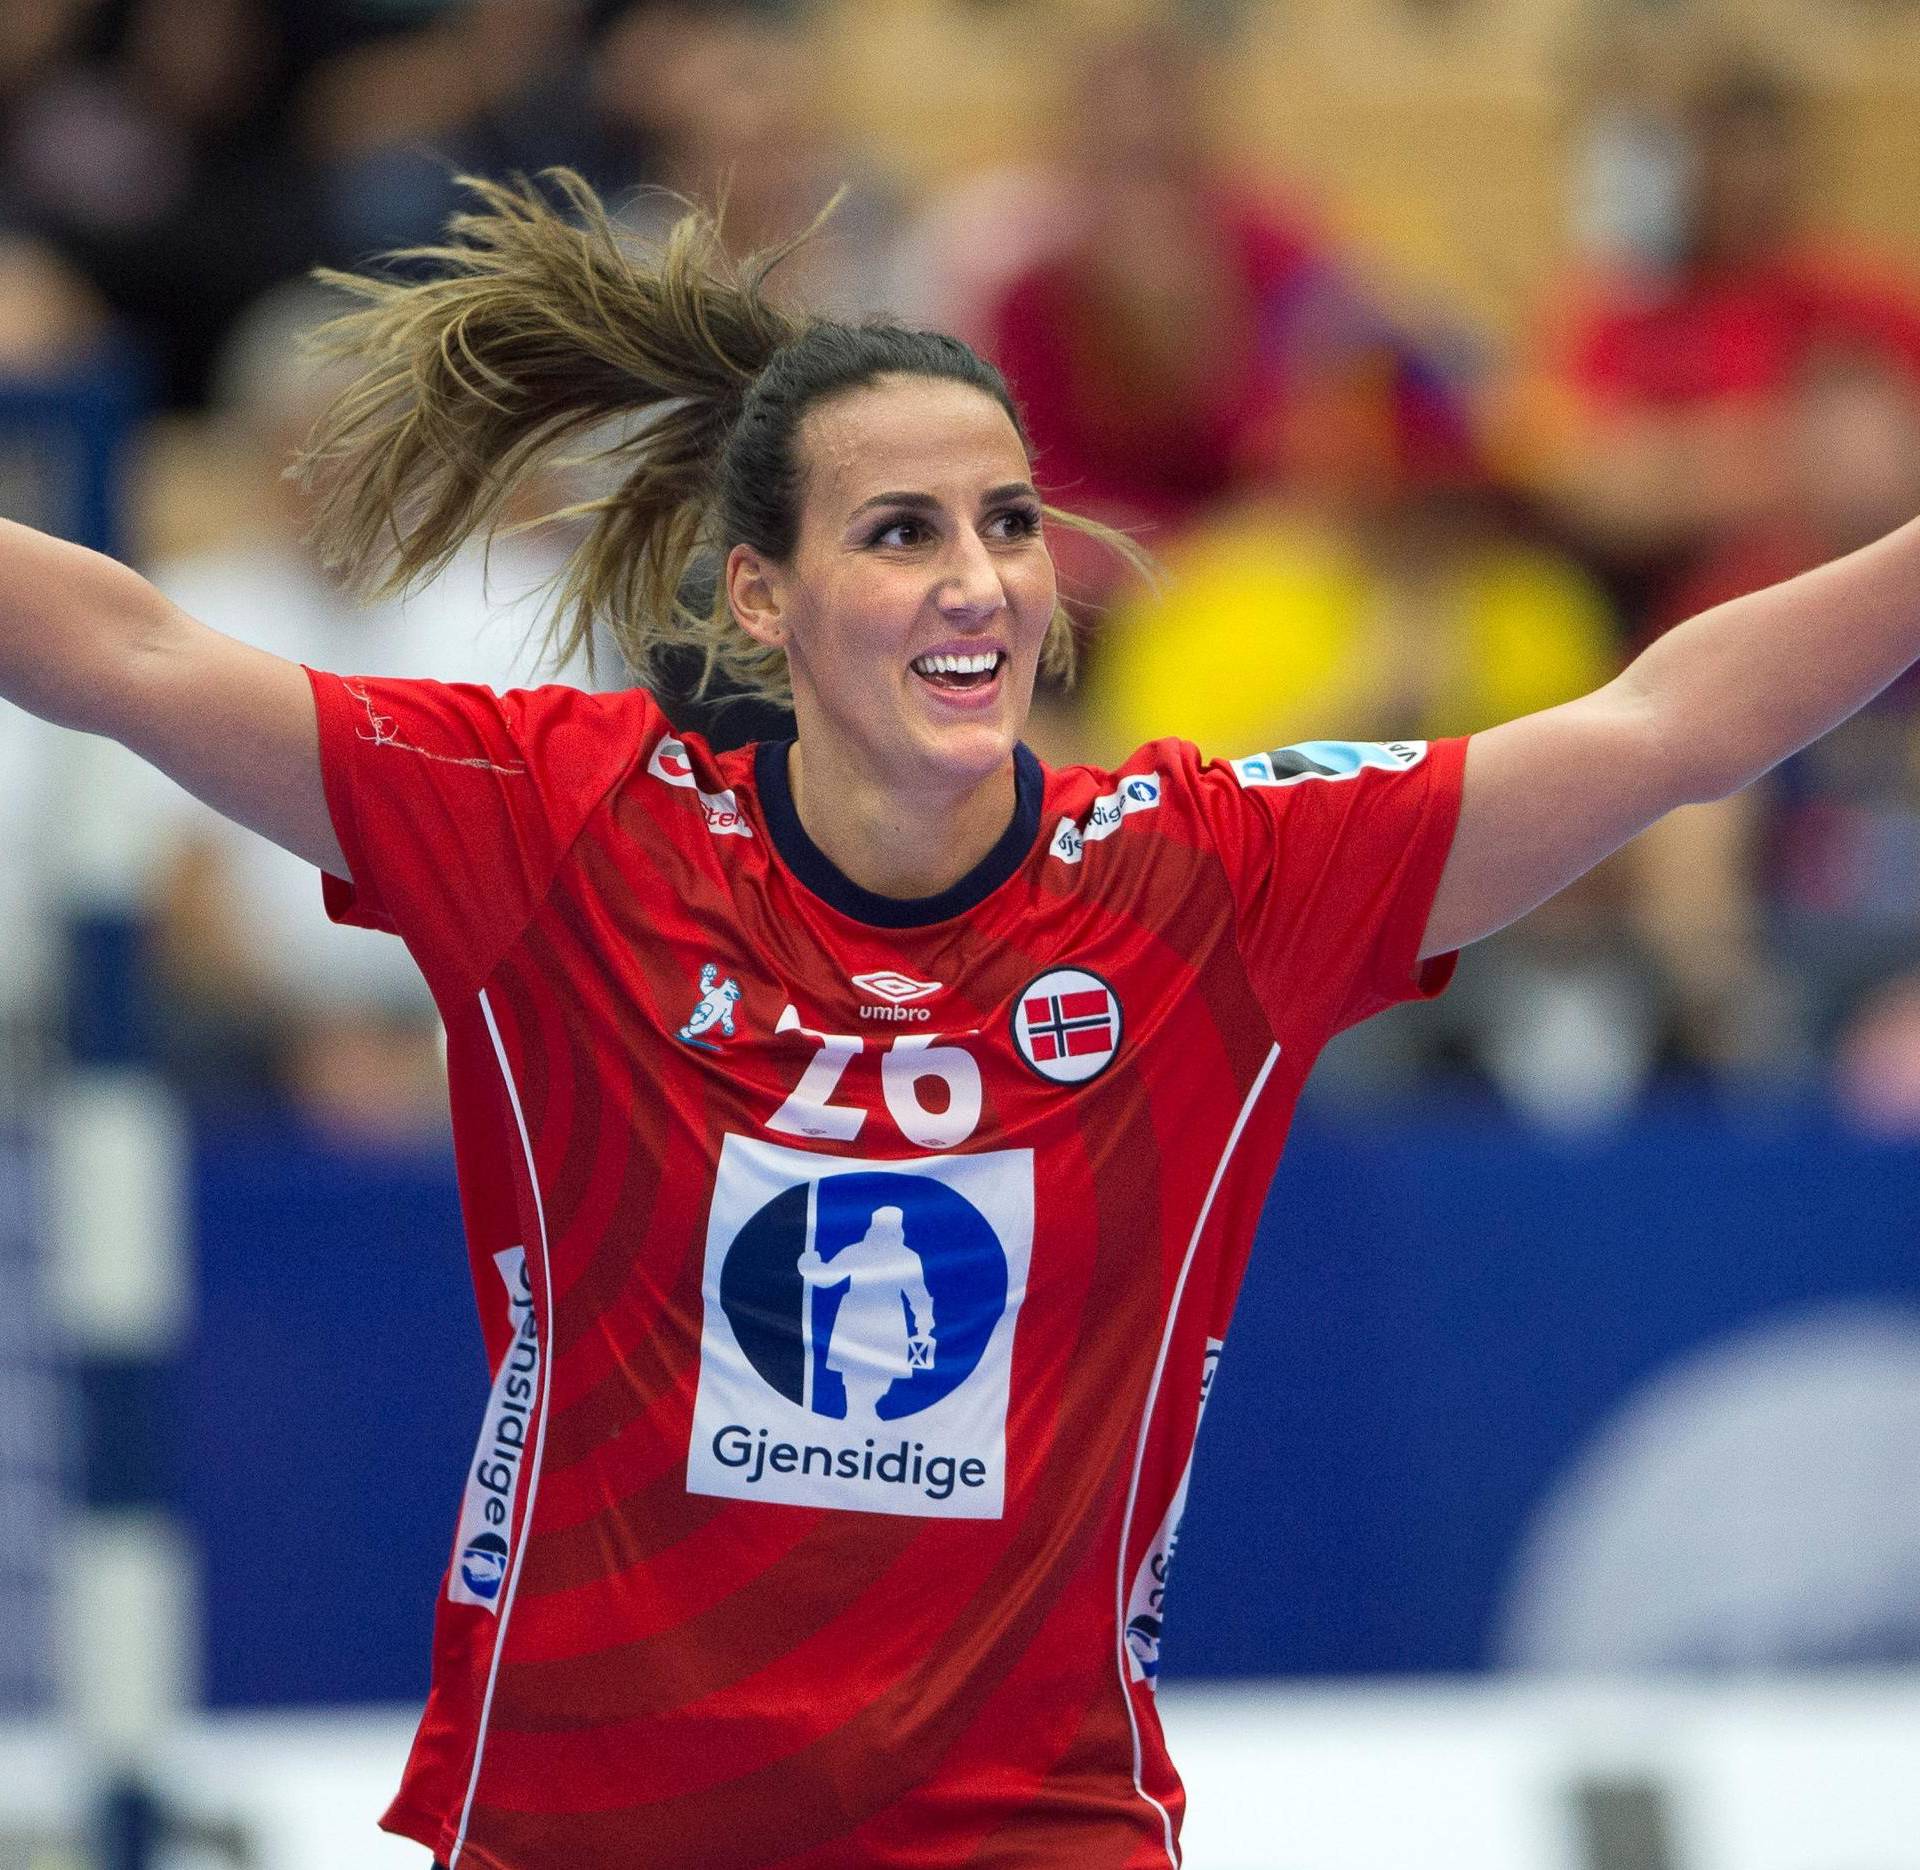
<point>1739,687</point>
<point>69,621</point>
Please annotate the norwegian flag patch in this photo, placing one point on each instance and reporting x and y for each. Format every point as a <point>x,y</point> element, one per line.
<point>1067,1025</point>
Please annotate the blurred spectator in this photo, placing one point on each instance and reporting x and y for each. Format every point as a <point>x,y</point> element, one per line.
<point>145,147</point>
<point>1422,609</point>
<point>729,98</point>
<point>1415,604</point>
<point>1816,871</point>
<point>1667,367</point>
<point>489,87</point>
<point>264,995</point>
<point>51,323</point>
<point>1163,351</point>
<point>979,234</point>
<point>49,316</point>
<point>1877,1062</point>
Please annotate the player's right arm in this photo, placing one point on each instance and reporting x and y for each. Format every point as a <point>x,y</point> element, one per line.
<point>88,643</point>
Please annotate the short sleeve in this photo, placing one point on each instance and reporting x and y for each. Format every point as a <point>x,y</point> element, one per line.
<point>1333,851</point>
<point>454,806</point>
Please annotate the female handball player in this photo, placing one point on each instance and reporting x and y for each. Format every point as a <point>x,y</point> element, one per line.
<point>859,1138</point>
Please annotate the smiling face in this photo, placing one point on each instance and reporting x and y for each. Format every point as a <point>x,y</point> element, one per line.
<point>916,601</point>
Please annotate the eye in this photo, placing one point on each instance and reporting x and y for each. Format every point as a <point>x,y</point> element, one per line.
<point>1013,522</point>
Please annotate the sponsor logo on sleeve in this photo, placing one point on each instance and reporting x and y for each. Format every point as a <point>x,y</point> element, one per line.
<point>1327,759</point>
<point>721,810</point>
<point>1141,793</point>
<point>1147,1601</point>
<point>857,1340</point>
<point>483,1547</point>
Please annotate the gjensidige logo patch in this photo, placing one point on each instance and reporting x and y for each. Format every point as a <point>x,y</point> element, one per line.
<point>1105,815</point>
<point>1147,1601</point>
<point>857,1338</point>
<point>483,1547</point>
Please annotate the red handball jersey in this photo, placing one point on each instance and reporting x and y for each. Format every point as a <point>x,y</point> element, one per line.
<point>852,1271</point>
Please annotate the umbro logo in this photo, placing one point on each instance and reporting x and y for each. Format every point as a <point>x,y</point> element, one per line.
<point>890,984</point>
<point>897,989</point>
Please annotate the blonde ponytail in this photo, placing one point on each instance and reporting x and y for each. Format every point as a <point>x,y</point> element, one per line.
<point>533,326</point>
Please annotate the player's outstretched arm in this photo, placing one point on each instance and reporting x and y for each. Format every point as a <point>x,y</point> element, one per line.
<point>1702,712</point>
<point>88,643</point>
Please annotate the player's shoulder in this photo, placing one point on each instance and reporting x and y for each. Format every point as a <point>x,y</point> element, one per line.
<point>618,748</point>
<point>631,710</point>
<point>682,785</point>
<point>1151,794</point>
<point>1169,790</point>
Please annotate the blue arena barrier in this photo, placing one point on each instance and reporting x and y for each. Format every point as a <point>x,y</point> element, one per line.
<point>1445,1321</point>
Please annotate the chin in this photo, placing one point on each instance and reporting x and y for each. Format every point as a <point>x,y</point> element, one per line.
<point>970,752</point>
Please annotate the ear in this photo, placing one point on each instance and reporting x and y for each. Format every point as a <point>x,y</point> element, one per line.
<point>756,591</point>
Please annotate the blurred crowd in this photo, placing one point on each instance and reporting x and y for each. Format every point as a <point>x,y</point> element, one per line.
<point>1377,518</point>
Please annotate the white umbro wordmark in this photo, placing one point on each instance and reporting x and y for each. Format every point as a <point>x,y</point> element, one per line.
<point>897,990</point>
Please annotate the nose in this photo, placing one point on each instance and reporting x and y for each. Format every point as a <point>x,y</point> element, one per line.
<point>969,590</point>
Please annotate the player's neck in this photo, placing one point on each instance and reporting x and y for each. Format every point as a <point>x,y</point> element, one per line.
<point>892,843</point>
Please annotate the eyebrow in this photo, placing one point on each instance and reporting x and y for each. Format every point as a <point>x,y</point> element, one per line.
<point>926,503</point>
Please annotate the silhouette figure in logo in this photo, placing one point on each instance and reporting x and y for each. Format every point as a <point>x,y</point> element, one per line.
<point>872,1344</point>
<point>715,1008</point>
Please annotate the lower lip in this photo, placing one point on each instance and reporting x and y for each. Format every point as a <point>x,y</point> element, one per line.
<point>966,700</point>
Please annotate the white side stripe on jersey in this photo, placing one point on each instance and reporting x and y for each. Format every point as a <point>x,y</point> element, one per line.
<point>1140,1449</point>
<point>518,1560</point>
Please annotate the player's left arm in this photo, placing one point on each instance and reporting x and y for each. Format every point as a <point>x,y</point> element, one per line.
<point>1700,713</point>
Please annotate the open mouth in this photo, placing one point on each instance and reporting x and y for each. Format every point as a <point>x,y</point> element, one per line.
<point>960,674</point>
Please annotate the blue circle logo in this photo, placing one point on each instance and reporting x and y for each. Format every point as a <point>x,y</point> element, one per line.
<point>1143,1639</point>
<point>483,1565</point>
<point>865,1297</point>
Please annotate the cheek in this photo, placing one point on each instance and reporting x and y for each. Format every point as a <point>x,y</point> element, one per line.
<point>857,637</point>
<point>1040,589</point>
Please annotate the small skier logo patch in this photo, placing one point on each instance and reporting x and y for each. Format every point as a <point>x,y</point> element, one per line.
<point>715,1009</point>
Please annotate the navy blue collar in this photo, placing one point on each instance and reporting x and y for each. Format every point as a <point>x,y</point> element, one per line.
<point>819,873</point>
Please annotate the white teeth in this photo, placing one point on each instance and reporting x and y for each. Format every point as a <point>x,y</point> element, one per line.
<point>957,665</point>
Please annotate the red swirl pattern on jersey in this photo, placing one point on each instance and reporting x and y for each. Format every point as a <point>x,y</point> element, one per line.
<point>872,1357</point>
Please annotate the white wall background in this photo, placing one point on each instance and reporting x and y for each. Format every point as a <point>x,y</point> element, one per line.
<point>1788,1775</point>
